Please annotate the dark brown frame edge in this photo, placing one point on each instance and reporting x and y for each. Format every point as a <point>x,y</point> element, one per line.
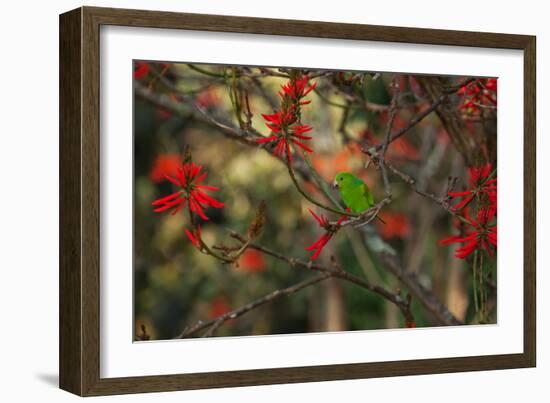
<point>79,200</point>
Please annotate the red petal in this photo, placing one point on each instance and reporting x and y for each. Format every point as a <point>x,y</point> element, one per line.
<point>141,70</point>
<point>450,240</point>
<point>316,254</point>
<point>193,237</point>
<point>178,208</point>
<point>465,201</point>
<point>200,178</point>
<point>315,216</point>
<point>302,137</point>
<point>314,245</point>
<point>458,239</point>
<point>197,208</point>
<point>302,146</point>
<point>175,182</point>
<point>301,129</point>
<point>207,187</point>
<point>181,174</point>
<point>288,153</point>
<point>166,199</point>
<point>207,199</point>
<point>273,128</point>
<point>467,249</point>
<point>266,139</point>
<point>169,205</point>
<point>280,147</point>
<point>274,118</point>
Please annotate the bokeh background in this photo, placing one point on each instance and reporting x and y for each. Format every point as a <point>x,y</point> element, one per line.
<point>176,286</point>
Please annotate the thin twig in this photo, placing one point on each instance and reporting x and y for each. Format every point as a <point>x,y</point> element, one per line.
<point>391,117</point>
<point>382,159</point>
<point>205,72</point>
<point>321,184</point>
<point>426,298</point>
<point>215,323</point>
<point>417,119</point>
<point>442,201</point>
<point>454,88</point>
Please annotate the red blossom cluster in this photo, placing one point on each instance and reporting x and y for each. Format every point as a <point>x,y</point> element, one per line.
<point>252,261</point>
<point>285,124</point>
<point>141,69</point>
<point>165,164</point>
<point>297,89</point>
<point>478,94</point>
<point>482,186</point>
<point>480,233</point>
<point>319,244</point>
<point>188,179</point>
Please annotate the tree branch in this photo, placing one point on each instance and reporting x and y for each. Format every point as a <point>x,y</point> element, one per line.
<point>428,300</point>
<point>443,201</point>
<point>450,117</point>
<point>337,272</point>
<point>214,324</point>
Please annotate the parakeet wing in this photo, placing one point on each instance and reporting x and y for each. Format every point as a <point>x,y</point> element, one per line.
<point>368,195</point>
<point>357,196</point>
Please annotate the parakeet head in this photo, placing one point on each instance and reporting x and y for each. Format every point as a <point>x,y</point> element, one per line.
<point>343,179</point>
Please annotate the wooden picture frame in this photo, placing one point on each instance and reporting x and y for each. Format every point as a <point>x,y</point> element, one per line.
<point>80,185</point>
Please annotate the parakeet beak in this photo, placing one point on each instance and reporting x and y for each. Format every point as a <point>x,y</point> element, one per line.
<point>335,184</point>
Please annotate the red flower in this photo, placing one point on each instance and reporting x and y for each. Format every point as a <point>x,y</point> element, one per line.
<point>165,164</point>
<point>284,125</point>
<point>482,235</point>
<point>252,261</point>
<point>189,179</point>
<point>283,132</point>
<point>478,94</point>
<point>481,186</point>
<point>194,237</point>
<point>318,245</point>
<point>279,121</point>
<point>141,70</point>
<point>296,89</point>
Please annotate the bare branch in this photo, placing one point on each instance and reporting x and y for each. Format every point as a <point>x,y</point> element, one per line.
<point>450,117</point>
<point>401,303</point>
<point>428,300</point>
<point>393,111</point>
<point>215,323</point>
<point>443,201</point>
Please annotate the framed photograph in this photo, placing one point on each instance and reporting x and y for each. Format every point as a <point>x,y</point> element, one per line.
<point>249,201</point>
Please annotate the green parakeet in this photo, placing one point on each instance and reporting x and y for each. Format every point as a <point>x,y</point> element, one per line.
<point>355,193</point>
